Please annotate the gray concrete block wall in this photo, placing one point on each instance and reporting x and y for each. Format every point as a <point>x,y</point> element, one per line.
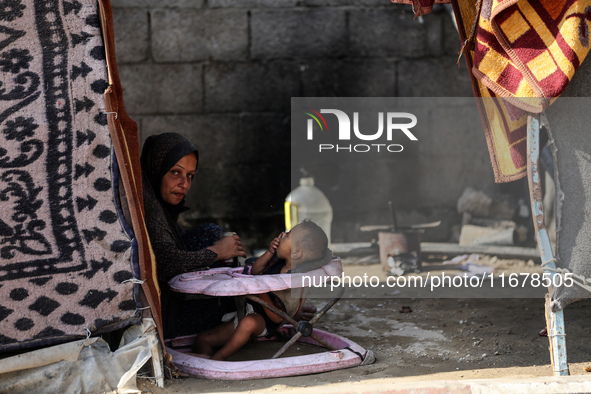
<point>252,87</point>
<point>299,33</point>
<point>223,72</point>
<point>198,35</point>
<point>132,39</point>
<point>158,3</point>
<point>151,88</point>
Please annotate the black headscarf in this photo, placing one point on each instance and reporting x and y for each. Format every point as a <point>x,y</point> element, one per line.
<point>159,154</point>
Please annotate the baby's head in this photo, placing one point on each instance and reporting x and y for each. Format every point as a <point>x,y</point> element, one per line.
<point>309,244</point>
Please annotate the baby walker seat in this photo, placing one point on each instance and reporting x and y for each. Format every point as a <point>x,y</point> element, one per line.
<point>340,353</point>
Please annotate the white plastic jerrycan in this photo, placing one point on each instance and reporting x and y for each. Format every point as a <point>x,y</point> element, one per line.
<point>308,202</point>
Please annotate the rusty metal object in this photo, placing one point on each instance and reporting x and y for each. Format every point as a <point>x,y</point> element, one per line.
<point>397,243</point>
<point>554,319</point>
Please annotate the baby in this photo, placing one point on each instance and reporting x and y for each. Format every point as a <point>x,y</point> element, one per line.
<point>302,249</point>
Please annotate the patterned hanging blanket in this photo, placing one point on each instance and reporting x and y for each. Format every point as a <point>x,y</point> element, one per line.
<point>526,52</point>
<point>523,55</point>
<point>66,253</point>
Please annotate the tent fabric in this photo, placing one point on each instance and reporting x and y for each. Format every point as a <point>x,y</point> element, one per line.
<point>84,366</point>
<point>68,256</point>
<point>568,120</point>
<point>124,135</point>
<point>572,149</point>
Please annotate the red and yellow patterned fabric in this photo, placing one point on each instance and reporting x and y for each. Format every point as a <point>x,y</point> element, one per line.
<point>526,51</point>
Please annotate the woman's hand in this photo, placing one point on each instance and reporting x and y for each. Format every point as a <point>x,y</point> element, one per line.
<point>228,248</point>
<point>306,313</point>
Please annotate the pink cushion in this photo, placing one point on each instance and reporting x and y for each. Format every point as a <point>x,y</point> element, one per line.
<point>231,282</point>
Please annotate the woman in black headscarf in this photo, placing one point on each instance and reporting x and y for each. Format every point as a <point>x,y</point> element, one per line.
<point>169,162</point>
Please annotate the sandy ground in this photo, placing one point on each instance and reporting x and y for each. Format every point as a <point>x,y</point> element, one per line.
<point>461,337</point>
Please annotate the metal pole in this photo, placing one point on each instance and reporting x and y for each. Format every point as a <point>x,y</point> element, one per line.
<point>554,320</point>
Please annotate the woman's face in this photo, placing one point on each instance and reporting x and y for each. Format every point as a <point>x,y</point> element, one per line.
<point>177,181</point>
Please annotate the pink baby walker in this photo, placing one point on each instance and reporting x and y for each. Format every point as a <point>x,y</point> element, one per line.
<point>231,282</point>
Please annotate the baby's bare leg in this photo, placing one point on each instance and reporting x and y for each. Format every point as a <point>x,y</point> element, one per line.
<point>217,336</point>
<point>249,325</point>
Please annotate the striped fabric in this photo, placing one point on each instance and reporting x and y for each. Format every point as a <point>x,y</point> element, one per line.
<point>526,51</point>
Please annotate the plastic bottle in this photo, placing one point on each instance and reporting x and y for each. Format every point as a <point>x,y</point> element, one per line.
<point>233,262</point>
<point>308,202</point>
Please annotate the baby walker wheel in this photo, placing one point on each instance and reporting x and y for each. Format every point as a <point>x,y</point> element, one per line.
<point>305,328</point>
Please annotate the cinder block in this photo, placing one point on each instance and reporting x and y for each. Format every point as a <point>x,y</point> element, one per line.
<point>451,38</point>
<point>391,33</point>
<point>193,35</point>
<point>265,138</point>
<point>158,3</point>
<point>162,89</point>
<point>194,127</point>
<point>138,120</point>
<point>250,87</point>
<point>456,124</point>
<point>434,25</point>
<point>131,34</point>
<point>358,3</point>
<point>298,33</point>
<point>443,179</point>
<point>237,191</point>
<point>216,136</point>
<point>251,3</point>
<point>349,78</point>
<point>357,188</point>
<point>438,77</point>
